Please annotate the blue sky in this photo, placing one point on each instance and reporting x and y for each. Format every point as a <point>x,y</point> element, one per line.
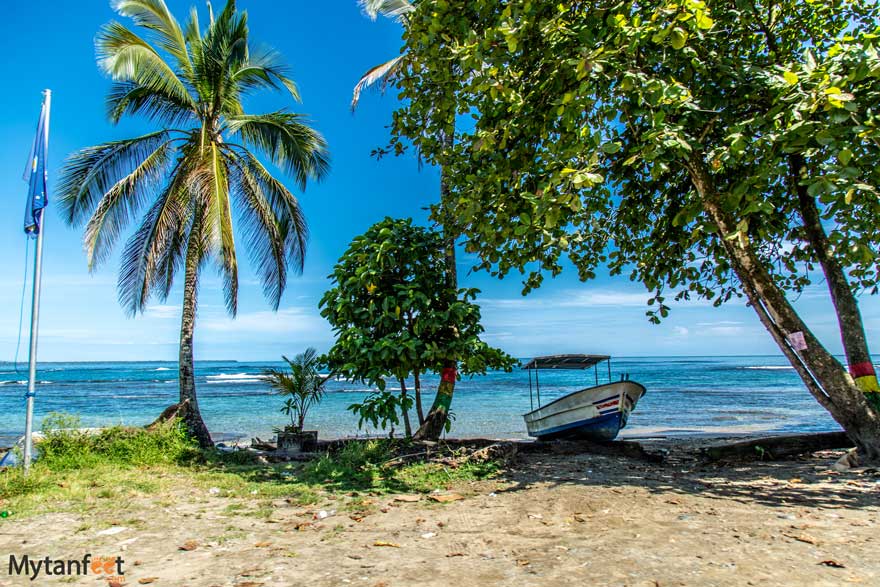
<point>328,45</point>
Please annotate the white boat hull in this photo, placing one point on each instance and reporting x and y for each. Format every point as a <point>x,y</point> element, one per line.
<point>595,413</point>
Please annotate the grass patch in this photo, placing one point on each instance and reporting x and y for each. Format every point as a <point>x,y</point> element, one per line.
<point>109,471</point>
<point>369,466</point>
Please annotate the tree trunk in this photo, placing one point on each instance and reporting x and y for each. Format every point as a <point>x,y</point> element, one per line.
<point>406,425</point>
<point>418,387</point>
<point>849,318</point>
<point>435,422</point>
<point>194,422</point>
<point>824,376</point>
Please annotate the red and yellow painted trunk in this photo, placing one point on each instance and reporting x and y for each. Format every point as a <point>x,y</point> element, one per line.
<point>866,378</point>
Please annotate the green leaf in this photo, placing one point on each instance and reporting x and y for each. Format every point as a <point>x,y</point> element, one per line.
<point>703,20</point>
<point>611,148</point>
<point>679,38</point>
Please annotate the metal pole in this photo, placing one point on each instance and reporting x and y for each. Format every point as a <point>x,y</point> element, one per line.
<point>32,360</point>
<point>538,385</point>
<point>596,373</point>
<point>531,399</point>
<point>609,370</point>
<point>35,315</point>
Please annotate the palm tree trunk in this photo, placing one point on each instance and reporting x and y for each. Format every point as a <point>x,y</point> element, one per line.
<point>435,423</point>
<point>193,421</point>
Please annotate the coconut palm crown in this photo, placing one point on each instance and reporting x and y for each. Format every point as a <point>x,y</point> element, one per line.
<point>188,180</point>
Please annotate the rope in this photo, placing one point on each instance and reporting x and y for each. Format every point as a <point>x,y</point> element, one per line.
<point>27,247</point>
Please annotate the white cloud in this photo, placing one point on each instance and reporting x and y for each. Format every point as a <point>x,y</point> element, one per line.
<point>295,320</point>
<point>163,311</point>
<point>680,331</point>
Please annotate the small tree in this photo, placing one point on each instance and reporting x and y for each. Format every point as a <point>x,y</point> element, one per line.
<point>302,385</point>
<point>395,315</point>
<point>711,149</point>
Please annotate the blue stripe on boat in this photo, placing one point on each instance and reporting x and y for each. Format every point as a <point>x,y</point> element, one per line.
<point>605,426</point>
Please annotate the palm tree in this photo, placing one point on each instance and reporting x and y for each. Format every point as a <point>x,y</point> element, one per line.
<point>301,383</point>
<point>191,175</point>
<point>433,425</point>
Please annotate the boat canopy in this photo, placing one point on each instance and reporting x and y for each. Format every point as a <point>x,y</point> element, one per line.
<point>566,361</point>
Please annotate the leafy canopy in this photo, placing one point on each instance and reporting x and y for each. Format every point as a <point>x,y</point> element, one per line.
<point>578,122</point>
<point>188,178</point>
<point>393,312</point>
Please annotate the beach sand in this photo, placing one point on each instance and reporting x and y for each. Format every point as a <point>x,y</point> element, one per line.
<point>546,520</point>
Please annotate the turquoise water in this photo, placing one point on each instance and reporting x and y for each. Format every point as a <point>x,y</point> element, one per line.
<point>685,395</point>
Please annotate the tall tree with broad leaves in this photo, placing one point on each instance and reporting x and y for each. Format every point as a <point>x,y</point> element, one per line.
<point>706,148</point>
<point>381,76</point>
<point>189,179</point>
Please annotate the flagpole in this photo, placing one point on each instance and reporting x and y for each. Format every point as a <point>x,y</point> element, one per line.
<point>35,314</point>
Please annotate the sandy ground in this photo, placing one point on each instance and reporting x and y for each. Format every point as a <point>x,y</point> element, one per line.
<point>549,520</point>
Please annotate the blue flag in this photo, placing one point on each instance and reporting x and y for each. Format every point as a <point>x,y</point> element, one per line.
<point>36,174</point>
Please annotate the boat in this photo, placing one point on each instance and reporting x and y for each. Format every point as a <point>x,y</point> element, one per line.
<point>595,413</point>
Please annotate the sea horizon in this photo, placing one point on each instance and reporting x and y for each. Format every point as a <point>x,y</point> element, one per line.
<point>687,395</point>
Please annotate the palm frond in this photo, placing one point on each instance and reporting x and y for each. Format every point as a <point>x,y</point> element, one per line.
<point>145,259</point>
<point>226,259</point>
<point>385,73</point>
<point>264,71</point>
<point>130,98</point>
<point>396,9</point>
<point>155,16</point>
<point>290,143</point>
<point>122,202</point>
<point>265,235</point>
<point>90,173</point>
<point>126,57</point>
<point>288,213</point>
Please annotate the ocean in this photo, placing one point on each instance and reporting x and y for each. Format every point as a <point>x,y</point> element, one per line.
<point>686,395</point>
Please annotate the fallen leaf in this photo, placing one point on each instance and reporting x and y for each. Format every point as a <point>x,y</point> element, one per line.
<point>383,543</point>
<point>263,544</point>
<point>803,538</point>
<point>115,582</point>
<point>579,518</point>
<point>447,497</point>
<point>452,554</point>
<point>536,516</point>
<point>795,480</point>
<point>147,580</point>
<point>189,545</point>
<point>833,564</point>
<point>521,562</point>
<point>408,498</point>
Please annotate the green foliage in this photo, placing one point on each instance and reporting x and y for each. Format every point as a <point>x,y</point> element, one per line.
<point>357,465</point>
<point>381,408</point>
<point>591,120</point>
<point>393,312</point>
<point>370,466</point>
<point>64,446</point>
<point>189,179</point>
<point>302,385</point>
